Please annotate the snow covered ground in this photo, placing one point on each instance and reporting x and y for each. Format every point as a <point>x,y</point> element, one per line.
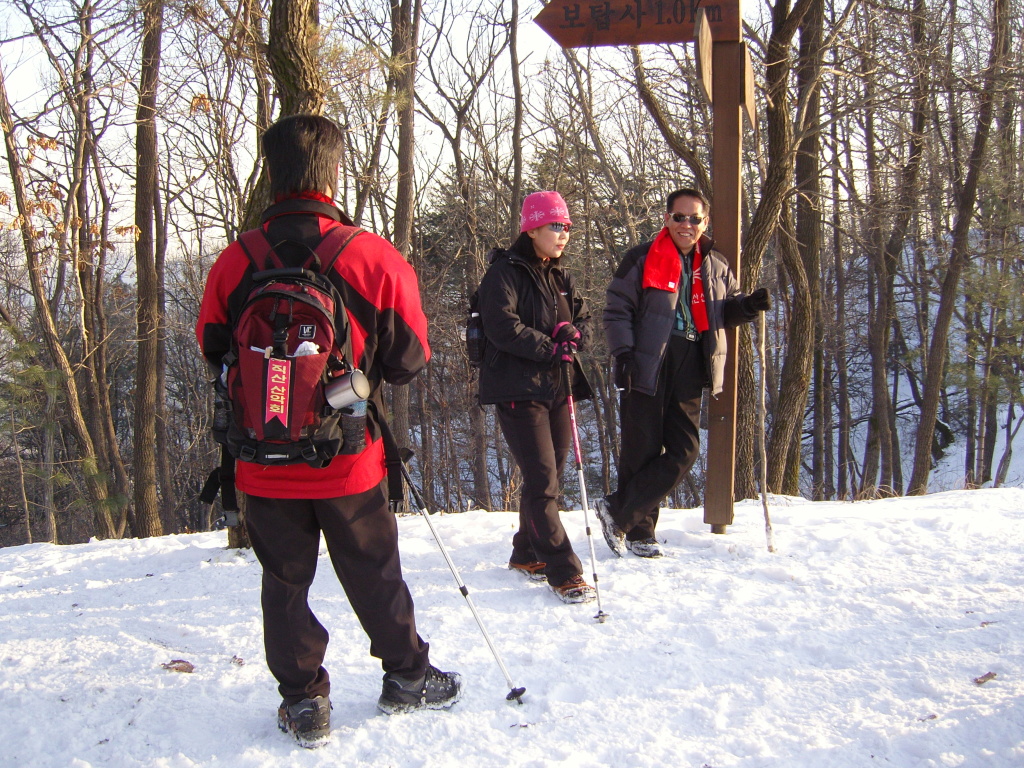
<point>857,644</point>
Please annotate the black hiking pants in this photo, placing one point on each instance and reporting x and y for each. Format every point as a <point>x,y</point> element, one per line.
<point>362,538</point>
<point>660,439</point>
<point>539,433</point>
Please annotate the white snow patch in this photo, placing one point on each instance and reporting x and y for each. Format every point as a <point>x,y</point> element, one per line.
<point>856,644</point>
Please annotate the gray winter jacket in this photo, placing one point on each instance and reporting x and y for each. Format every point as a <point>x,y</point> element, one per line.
<point>642,319</point>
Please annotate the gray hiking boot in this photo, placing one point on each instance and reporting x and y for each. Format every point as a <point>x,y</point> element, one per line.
<point>614,536</point>
<point>644,547</point>
<point>309,721</point>
<point>434,690</point>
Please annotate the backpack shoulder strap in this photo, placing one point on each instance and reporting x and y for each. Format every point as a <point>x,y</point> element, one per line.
<point>257,247</point>
<point>334,243</point>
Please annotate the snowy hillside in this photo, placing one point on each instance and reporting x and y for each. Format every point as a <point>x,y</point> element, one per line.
<point>857,644</point>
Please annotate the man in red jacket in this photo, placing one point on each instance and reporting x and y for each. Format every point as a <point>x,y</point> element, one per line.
<point>288,506</point>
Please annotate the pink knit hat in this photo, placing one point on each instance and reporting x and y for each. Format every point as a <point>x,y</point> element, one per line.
<point>542,208</point>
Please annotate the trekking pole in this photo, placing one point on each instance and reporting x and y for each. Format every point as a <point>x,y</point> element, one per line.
<point>515,694</point>
<point>601,615</point>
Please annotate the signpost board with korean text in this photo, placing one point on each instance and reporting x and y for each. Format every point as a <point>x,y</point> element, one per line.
<point>583,24</point>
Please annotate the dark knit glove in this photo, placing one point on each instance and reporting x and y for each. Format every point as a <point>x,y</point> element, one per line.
<point>565,332</point>
<point>758,301</point>
<point>625,367</point>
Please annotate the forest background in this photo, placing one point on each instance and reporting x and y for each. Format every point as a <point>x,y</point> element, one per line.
<point>882,207</point>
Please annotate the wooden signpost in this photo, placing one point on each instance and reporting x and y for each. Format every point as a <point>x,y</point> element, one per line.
<point>727,79</point>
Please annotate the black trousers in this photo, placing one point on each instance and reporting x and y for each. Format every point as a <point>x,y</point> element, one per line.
<point>539,433</point>
<point>362,539</point>
<point>660,439</point>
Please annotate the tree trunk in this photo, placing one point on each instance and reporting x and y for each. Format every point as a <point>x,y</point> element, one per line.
<point>808,228</point>
<point>517,124</point>
<point>46,458</point>
<point>880,471</point>
<point>405,21</point>
<point>777,185</point>
<point>165,476</point>
<point>147,507</point>
<point>22,494</point>
<point>878,445</point>
<point>293,54</point>
<point>787,418</point>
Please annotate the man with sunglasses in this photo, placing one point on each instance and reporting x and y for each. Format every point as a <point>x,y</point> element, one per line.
<point>667,310</point>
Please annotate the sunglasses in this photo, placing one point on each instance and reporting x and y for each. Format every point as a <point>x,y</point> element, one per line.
<point>692,218</point>
<point>558,226</point>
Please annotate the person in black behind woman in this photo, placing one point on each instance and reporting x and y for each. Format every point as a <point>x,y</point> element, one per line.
<point>534,322</point>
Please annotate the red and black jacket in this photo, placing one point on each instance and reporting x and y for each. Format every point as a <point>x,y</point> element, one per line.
<point>389,333</point>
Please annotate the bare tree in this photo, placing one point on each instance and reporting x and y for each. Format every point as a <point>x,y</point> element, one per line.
<point>960,247</point>
<point>95,481</point>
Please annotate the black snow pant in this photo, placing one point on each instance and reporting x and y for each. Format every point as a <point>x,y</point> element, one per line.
<point>660,439</point>
<point>539,433</point>
<point>362,538</point>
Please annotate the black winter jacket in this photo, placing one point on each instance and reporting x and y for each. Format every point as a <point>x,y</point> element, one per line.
<point>518,306</point>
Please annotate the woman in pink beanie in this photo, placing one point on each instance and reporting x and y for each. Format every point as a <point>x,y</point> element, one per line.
<point>534,322</point>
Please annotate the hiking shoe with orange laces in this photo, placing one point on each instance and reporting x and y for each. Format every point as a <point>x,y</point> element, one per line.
<point>575,590</point>
<point>533,571</point>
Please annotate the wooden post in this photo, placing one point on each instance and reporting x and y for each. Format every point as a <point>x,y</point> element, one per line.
<point>727,61</point>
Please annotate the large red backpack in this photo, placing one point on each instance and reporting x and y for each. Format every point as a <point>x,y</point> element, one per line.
<point>289,340</point>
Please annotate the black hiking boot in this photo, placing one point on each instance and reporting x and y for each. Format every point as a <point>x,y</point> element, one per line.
<point>309,721</point>
<point>434,690</point>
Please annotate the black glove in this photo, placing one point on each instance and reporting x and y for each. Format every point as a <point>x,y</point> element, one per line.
<point>565,332</point>
<point>624,369</point>
<point>758,301</point>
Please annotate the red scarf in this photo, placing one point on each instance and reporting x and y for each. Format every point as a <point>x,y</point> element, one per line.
<point>663,269</point>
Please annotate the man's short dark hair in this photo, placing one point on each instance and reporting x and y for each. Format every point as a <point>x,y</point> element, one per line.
<point>687,192</point>
<point>302,154</point>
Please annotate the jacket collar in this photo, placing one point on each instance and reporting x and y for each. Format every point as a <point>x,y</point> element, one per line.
<point>308,205</point>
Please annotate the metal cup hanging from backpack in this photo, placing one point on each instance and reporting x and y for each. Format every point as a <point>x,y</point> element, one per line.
<point>347,394</point>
